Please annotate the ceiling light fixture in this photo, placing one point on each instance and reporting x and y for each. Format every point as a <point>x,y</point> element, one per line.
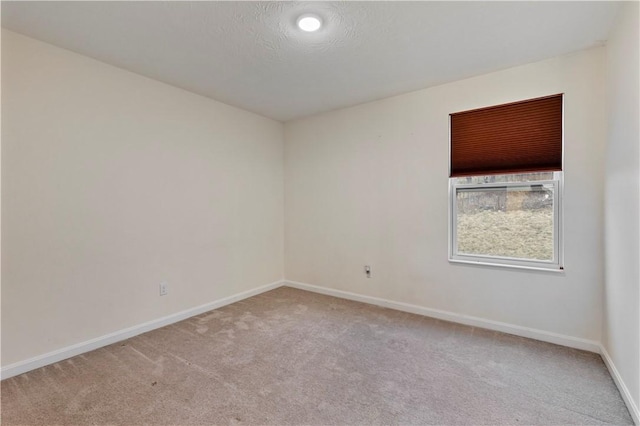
<point>309,22</point>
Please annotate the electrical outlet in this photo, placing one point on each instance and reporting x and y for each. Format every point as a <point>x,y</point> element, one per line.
<point>367,270</point>
<point>164,288</point>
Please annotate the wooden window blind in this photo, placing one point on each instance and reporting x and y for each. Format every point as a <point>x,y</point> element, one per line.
<point>519,137</point>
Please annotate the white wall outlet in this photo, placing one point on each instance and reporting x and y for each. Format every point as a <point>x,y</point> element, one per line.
<point>367,270</point>
<point>164,288</point>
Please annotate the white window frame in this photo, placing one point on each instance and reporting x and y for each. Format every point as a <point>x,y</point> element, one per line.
<point>557,264</point>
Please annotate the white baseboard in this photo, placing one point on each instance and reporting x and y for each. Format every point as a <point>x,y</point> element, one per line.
<point>624,390</point>
<point>108,339</point>
<point>532,333</point>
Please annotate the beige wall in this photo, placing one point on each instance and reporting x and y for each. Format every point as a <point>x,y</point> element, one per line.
<point>112,183</point>
<point>368,185</point>
<point>621,327</point>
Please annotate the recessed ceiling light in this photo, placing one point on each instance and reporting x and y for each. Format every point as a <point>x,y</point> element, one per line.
<point>309,22</point>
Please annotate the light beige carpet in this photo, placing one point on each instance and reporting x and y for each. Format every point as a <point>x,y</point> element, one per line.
<point>294,357</point>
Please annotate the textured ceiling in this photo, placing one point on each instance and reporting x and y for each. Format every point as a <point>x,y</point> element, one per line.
<point>250,55</point>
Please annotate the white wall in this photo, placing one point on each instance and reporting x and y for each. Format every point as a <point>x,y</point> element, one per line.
<point>621,330</point>
<point>112,183</point>
<point>369,185</point>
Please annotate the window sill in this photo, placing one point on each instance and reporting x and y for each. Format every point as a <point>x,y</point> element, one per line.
<point>552,268</point>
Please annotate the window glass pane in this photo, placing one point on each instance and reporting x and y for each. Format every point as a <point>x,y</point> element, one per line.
<point>516,177</point>
<point>515,222</point>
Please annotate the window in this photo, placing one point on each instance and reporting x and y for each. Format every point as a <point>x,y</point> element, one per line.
<point>507,219</point>
<point>506,185</point>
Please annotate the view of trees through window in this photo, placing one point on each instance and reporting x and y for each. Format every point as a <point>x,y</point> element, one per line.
<point>514,221</point>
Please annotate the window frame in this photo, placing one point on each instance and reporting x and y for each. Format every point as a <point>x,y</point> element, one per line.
<point>555,265</point>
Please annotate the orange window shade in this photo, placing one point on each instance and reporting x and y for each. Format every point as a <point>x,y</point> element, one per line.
<point>519,137</point>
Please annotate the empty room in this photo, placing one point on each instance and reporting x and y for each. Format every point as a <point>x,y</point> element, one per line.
<point>320,213</point>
